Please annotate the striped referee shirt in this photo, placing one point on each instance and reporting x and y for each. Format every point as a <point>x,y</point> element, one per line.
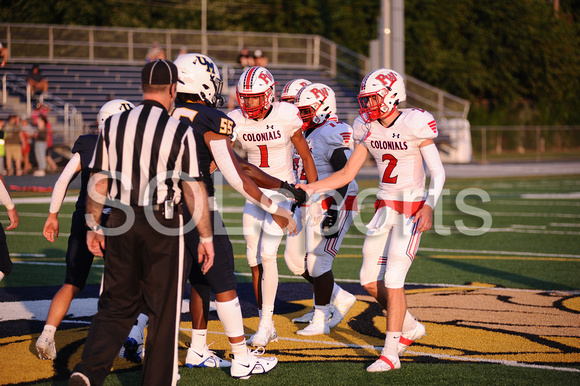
<point>146,152</point>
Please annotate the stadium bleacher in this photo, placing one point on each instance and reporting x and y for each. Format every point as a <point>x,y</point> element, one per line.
<point>88,87</point>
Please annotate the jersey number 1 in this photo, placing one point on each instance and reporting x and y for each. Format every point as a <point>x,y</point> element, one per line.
<point>263,156</point>
<point>387,178</point>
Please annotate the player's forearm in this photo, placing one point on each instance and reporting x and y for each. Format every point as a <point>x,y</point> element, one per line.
<point>5,198</point>
<point>96,196</point>
<point>435,166</point>
<point>63,182</point>
<point>260,178</point>
<point>233,173</point>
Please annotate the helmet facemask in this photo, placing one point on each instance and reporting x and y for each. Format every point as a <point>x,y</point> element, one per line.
<point>254,110</point>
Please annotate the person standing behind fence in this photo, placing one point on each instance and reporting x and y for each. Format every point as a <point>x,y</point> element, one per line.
<point>14,140</point>
<point>40,143</point>
<point>145,162</point>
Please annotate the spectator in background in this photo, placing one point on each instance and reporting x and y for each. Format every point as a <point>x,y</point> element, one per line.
<point>40,146</point>
<point>37,82</point>
<point>260,59</point>
<point>14,141</point>
<point>3,55</point>
<point>182,51</point>
<point>155,52</point>
<point>245,59</point>
<point>29,132</point>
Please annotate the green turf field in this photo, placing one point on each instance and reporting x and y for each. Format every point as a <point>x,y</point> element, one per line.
<point>521,234</point>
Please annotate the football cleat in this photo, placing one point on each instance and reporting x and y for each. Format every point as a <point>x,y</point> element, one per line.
<point>266,333</point>
<point>315,329</point>
<point>384,363</point>
<point>306,318</point>
<point>46,347</point>
<point>205,358</point>
<point>252,365</point>
<point>341,308</point>
<point>407,338</point>
<point>132,349</point>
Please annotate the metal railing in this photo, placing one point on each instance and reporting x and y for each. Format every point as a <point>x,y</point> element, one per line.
<point>43,43</point>
<point>536,143</point>
<point>67,121</point>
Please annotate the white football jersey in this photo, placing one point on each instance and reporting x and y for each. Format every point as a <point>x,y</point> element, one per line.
<point>323,141</point>
<point>396,153</point>
<point>267,141</point>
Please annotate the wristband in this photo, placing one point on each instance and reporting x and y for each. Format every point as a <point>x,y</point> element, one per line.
<point>204,240</point>
<point>272,208</point>
<point>93,229</point>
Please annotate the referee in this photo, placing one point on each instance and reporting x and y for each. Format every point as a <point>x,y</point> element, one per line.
<point>145,162</point>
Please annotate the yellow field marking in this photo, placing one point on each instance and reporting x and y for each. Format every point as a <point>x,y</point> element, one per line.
<point>467,323</point>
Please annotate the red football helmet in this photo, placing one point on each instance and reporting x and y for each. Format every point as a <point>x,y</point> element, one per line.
<point>292,88</point>
<point>380,92</point>
<point>255,91</point>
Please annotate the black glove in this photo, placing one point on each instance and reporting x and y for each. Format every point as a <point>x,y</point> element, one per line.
<point>327,227</point>
<point>290,191</point>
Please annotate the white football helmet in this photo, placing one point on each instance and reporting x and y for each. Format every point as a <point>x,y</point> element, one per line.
<point>199,75</point>
<point>316,103</point>
<point>380,92</point>
<point>292,88</point>
<point>112,107</point>
<point>255,82</point>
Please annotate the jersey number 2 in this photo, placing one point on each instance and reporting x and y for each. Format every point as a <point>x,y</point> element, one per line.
<point>387,178</point>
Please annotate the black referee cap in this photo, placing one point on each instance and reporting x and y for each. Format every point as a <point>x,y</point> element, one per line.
<point>159,72</point>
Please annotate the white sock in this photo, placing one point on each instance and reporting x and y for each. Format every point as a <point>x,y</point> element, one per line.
<point>230,314</point>
<point>269,281</point>
<point>409,323</point>
<point>49,330</point>
<point>391,344</point>
<point>240,351</point>
<point>142,321</point>
<point>267,313</point>
<point>198,340</point>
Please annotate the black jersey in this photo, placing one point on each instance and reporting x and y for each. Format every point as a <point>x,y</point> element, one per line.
<point>85,146</point>
<point>203,119</point>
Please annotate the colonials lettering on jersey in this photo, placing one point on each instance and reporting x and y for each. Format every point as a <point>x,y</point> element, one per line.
<point>261,137</point>
<point>389,145</point>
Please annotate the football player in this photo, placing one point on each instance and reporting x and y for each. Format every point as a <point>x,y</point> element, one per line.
<point>401,142</point>
<point>291,89</point>
<point>267,130</point>
<point>78,257</point>
<point>198,95</point>
<point>322,230</point>
<point>6,200</point>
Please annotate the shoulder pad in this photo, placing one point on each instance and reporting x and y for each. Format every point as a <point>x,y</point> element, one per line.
<point>421,123</point>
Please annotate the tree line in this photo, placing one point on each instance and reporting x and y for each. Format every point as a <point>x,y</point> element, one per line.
<point>518,62</point>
